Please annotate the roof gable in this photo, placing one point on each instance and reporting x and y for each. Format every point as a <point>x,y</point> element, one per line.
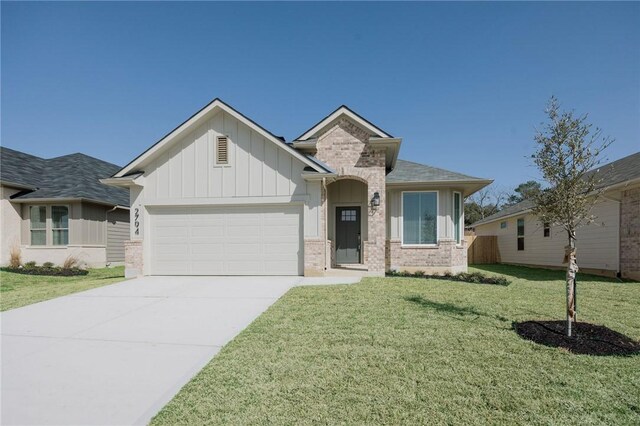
<point>343,110</point>
<point>194,121</point>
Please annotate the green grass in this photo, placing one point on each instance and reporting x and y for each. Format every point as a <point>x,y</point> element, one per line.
<point>416,351</point>
<point>18,290</point>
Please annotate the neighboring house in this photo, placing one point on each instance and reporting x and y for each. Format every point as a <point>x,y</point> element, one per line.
<point>220,195</point>
<point>53,208</point>
<point>609,246</point>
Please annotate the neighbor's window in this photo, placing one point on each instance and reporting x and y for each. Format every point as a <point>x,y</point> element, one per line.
<point>38,219</point>
<point>503,225</point>
<point>546,230</point>
<point>457,217</point>
<point>520,234</point>
<point>60,225</point>
<point>420,216</point>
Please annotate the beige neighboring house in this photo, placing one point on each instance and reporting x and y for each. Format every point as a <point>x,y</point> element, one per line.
<point>221,195</point>
<point>53,208</point>
<point>609,246</point>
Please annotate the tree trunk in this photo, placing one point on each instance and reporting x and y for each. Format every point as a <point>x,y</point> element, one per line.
<point>572,269</point>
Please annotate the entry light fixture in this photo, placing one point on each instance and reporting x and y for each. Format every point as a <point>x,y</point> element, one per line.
<point>375,201</point>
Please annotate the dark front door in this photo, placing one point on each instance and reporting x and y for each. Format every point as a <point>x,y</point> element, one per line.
<point>347,234</point>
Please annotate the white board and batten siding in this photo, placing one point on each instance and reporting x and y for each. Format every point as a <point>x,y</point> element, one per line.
<point>597,244</point>
<point>244,218</point>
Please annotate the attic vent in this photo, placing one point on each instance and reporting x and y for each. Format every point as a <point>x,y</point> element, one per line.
<point>222,150</point>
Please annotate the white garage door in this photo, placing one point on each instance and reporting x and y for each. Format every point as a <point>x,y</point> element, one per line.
<point>254,240</point>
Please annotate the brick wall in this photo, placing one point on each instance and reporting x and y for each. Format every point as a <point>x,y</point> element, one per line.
<point>630,234</point>
<point>133,259</point>
<point>314,257</point>
<point>345,147</point>
<point>446,257</point>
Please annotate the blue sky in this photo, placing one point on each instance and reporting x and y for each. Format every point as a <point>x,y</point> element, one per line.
<point>464,84</point>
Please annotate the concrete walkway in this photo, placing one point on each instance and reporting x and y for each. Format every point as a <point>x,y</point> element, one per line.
<point>116,355</point>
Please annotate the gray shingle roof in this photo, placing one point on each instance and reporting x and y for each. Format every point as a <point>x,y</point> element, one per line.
<point>622,170</point>
<point>408,171</point>
<point>69,176</point>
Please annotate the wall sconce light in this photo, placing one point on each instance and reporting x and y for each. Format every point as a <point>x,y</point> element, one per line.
<point>375,201</point>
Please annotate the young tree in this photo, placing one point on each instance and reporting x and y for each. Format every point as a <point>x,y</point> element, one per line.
<point>568,149</point>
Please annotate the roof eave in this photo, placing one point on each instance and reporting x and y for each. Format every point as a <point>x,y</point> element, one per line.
<point>66,200</point>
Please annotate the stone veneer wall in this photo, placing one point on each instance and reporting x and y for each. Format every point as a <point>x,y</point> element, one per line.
<point>345,147</point>
<point>446,257</point>
<point>630,234</point>
<point>133,259</point>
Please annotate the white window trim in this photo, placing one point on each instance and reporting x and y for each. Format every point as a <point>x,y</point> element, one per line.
<point>402,244</point>
<point>68,228</point>
<point>460,219</point>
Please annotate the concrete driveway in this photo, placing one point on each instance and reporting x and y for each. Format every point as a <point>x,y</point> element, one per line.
<point>115,355</point>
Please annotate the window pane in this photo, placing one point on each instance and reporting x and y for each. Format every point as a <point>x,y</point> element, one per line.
<point>520,243</point>
<point>429,217</point>
<point>456,216</point>
<point>60,237</point>
<point>419,210</point>
<point>38,216</point>
<point>411,218</point>
<point>60,217</point>
<point>38,238</point>
<point>520,227</point>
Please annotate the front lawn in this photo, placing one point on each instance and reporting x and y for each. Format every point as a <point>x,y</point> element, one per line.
<point>417,351</point>
<point>18,290</point>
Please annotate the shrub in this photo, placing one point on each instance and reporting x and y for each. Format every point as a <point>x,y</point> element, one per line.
<point>71,262</point>
<point>41,270</point>
<point>15,257</point>
<point>48,265</point>
<point>473,277</point>
<point>30,265</point>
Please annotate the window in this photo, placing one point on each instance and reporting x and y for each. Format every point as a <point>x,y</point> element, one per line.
<point>546,229</point>
<point>348,216</point>
<point>457,217</point>
<point>503,225</point>
<point>60,225</point>
<point>222,150</point>
<point>38,219</point>
<point>420,217</point>
<point>520,234</point>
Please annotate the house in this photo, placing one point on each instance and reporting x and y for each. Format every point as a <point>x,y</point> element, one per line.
<point>608,246</point>
<point>221,195</point>
<point>54,208</point>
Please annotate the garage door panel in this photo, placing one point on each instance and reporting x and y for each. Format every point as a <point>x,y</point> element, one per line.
<point>216,240</point>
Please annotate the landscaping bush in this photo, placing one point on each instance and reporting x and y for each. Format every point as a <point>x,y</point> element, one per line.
<point>48,265</point>
<point>15,257</point>
<point>472,277</point>
<point>55,271</point>
<point>30,265</point>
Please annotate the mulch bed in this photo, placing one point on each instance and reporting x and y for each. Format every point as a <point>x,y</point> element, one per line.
<point>52,272</point>
<point>587,339</point>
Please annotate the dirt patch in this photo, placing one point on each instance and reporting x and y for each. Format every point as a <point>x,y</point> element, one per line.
<point>587,339</point>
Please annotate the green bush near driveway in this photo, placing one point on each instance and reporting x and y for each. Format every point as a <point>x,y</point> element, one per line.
<point>18,290</point>
<point>420,351</point>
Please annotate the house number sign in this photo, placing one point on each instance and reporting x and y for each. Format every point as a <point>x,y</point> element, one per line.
<point>136,221</point>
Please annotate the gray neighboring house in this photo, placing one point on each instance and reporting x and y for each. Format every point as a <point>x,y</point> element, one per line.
<point>53,208</point>
<point>609,246</point>
<point>221,195</point>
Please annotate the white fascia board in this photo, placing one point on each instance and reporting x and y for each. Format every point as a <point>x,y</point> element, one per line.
<point>334,116</point>
<point>187,125</point>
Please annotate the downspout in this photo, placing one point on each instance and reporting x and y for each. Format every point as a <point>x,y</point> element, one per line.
<point>326,220</point>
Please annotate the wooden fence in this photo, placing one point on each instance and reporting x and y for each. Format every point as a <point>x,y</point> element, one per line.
<point>482,249</point>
